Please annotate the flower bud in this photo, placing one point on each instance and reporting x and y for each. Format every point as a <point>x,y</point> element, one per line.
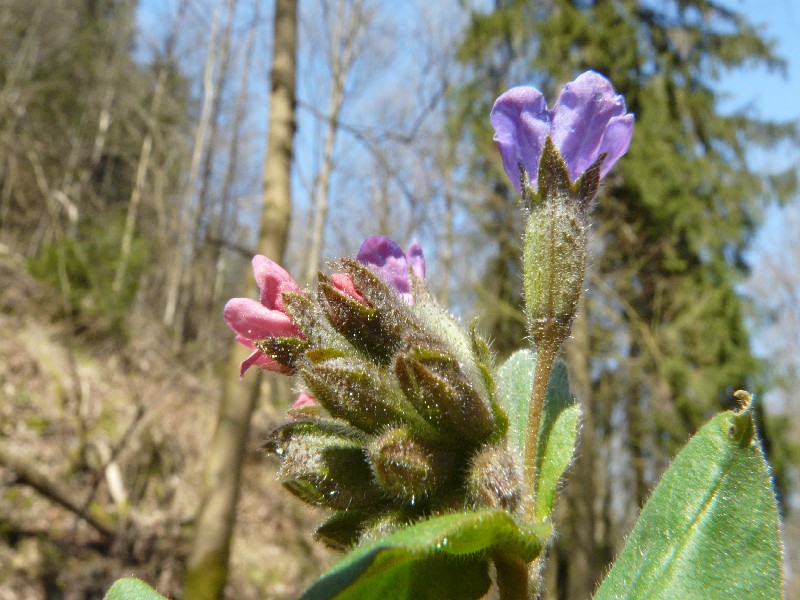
<point>407,467</point>
<point>324,467</point>
<point>439,389</point>
<point>364,326</point>
<point>494,480</point>
<point>362,394</point>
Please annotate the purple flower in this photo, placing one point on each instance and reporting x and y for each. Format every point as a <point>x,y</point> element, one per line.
<point>388,260</point>
<point>588,119</point>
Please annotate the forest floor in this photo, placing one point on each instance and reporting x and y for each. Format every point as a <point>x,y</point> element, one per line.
<point>115,428</point>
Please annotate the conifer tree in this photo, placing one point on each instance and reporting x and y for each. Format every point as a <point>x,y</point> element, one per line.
<point>672,225</point>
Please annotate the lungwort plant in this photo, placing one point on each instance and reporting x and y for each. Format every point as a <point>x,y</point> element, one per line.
<point>438,469</point>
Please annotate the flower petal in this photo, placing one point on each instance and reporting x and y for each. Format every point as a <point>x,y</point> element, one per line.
<point>344,283</point>
<point>416,259</point>
<point>305,399</point>
<point>521,123</point>
<point>265,362</point>
<point>580,117</point>
<point>616,141</point>
<point>388,260</point>
<point>272,280</point>
<point>253,321</point>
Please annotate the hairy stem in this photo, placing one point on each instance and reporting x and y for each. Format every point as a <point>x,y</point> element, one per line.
<point>512,577</point>
<point>545,355</point>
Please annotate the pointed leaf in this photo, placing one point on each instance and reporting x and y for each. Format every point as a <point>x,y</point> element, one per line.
<point>442,557</point>
<point>514,385</point>
<point>559,428</point>
<point>131,588</point>
<point>711,527</point>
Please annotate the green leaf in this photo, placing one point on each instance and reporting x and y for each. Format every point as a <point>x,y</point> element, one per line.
<point>514,384</point>
<point>711,527</point>
<point>131,588</point>
<point>559,425</point>
<point>439,558</point>
<point>559,428</point>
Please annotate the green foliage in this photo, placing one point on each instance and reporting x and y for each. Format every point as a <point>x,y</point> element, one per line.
<point>559,425</point>
<point>711,528</point>
<point>557,436</point>
<point>131,588</point>
<point>90,260</point>
<point>444,557</point>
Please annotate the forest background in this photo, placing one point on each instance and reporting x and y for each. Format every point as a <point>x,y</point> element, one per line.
<point>136,184</point>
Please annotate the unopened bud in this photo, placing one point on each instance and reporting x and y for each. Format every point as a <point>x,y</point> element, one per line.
<point>362,394</point>
<point>364,326</point>
<point>407,467</point>
<point>324,468</point>
<point>442,393</point>
<point>494,480</point>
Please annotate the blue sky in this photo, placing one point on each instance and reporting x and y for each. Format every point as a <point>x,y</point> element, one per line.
<point>770,94</point>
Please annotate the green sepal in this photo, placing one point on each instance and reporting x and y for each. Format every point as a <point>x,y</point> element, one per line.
<point>278,440</point>
<point>363,394</point>
<point>314,324</point>
<point>396,318</point>
<point>364,326</point>
<point>342,529</point>
<point>285,350</point>
<point>585,189</point>
<point>327,469</point>
<point>407,467</point>
<point>131,588</point>
<point>711,528</point>
<point>432,559</point>
<point>495,479</point>
<point>442,393</point>
<point>553,178</point>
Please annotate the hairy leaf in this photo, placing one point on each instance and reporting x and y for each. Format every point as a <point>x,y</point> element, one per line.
<point>440,558</point>
<point>711,527</point>
<point>131,588</point>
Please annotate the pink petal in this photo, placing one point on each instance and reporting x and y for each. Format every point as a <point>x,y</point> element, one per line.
<point>305,399</point>
<point>344,283</point>
<point>265,362</point>
<point>273,280</point>
<point>253,321</point>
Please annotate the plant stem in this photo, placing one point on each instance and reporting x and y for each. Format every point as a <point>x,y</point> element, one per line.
<point>512,577</point>
<point>545,355</point>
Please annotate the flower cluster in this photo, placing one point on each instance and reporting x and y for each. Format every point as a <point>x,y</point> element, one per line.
<point>396,404</point>
<point>397,417</point>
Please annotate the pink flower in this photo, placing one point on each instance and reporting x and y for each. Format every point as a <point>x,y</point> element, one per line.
<point>255,321</point>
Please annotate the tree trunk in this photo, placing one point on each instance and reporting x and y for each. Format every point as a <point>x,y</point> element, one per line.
<point>207,566</point>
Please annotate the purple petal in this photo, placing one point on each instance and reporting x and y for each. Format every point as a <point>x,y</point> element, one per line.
<point>521,123</point>
<point>387,259</point>
<point>580,117</point>
<point>616,141</point>
<point>416,259</point>
<point>272,280</point>
<point>253,321</point>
